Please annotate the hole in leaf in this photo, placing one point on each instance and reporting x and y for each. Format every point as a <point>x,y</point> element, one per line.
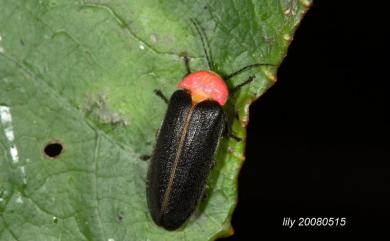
<point>120,217</point>
<point>53,149</point>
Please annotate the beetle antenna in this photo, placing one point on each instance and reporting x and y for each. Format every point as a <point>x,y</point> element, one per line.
<point>245,69</point>
<point>203,38</point>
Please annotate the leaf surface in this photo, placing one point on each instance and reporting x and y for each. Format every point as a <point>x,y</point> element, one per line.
<point>82,74</point>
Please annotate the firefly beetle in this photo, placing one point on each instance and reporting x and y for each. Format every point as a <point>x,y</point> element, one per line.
<point>187,142</point>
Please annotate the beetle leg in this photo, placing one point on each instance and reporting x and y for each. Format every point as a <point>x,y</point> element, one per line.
<point>245,68</point>
<point>228,131</point>
<point>205,193</point>
<point>238,139</point>
<point>236,115</point>
<point>160,94</point>
<point>205,196</point>
<point>145,157</point>
<point>187,64</point>
<point>237,87</point>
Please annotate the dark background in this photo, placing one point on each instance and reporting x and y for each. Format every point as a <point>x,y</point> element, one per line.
<point>318,140</point>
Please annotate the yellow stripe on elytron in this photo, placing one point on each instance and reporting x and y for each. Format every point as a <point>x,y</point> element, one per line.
<point>176,162</point>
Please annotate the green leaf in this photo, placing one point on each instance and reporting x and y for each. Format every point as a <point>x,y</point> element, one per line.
<point>82,74</point>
